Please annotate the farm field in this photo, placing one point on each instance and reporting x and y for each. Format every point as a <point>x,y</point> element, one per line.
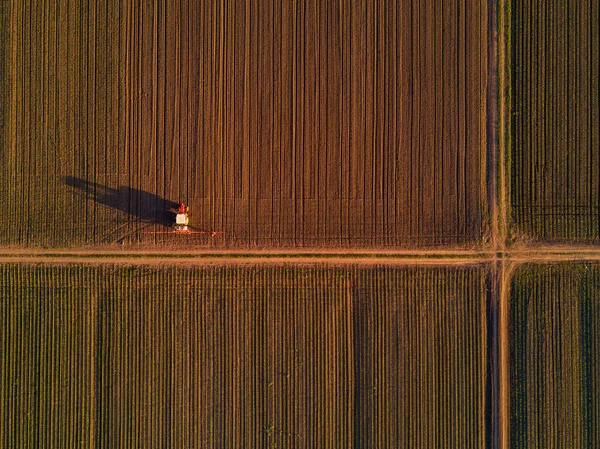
<point>409,195</point>
<point>281,123</point>
<point>243,356</point>
<point>554,347</point>
<point>555,130</point>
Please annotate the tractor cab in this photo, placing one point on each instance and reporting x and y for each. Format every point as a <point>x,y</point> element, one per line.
<point>181,219</point>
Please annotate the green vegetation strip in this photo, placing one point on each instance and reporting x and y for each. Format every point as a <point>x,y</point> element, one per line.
<point>268,255</point>
<point>303,356</point>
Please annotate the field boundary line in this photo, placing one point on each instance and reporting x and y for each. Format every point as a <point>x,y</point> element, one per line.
<point>493,150</point>
<point>538,255</point>
<point>494,348</point>
<point>503,92</point>
<point>228,260</point>
<point>506,268</point>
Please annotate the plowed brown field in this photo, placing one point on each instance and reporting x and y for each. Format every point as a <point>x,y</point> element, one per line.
<point>275,356</point>
<point>282,123</point>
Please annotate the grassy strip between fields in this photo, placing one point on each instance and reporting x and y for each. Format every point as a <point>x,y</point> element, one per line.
<point>253,255</point>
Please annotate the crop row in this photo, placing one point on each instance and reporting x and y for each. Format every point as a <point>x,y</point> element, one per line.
<point>293,356</point>
<point>555,127</point>
<point>243,356</point>
<point>554,347</point>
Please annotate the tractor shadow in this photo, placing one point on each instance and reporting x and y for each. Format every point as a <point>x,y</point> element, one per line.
<point>136,203</point>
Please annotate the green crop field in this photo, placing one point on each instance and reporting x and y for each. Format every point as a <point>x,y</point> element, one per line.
<point>555,127</point>
<point>243,356</point>
<point>554,347</point>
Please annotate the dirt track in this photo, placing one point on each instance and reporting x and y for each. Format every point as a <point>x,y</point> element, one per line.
<point>246,260</point>
<point>503,356</point>
<point>207,257</point>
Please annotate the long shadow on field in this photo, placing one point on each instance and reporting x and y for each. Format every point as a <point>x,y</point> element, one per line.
<point>134,202</point>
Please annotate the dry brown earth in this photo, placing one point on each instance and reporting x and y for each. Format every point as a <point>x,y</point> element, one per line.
<point>281,123</point>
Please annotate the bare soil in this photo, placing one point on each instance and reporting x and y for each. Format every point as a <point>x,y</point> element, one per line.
<point>283,124</point>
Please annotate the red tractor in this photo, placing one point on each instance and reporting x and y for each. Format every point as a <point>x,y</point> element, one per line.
<point>181,225</point>
<point>182,219</point>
